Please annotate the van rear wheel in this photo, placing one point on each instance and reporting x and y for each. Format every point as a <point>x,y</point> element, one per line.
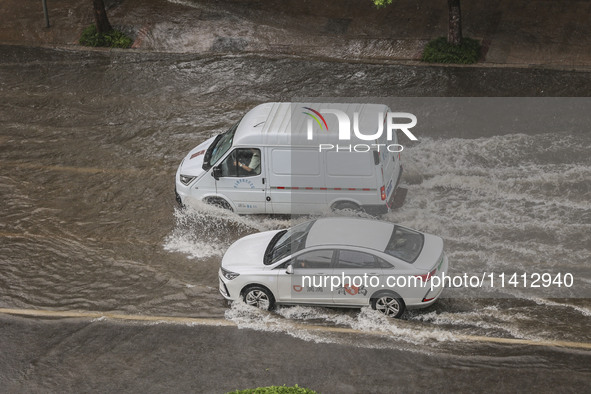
<point>346,207</point>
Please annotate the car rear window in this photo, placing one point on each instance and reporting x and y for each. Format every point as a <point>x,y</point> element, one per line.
<point>405,244</point>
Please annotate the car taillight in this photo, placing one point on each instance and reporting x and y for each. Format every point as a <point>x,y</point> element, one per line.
<point>398,156</point>
<point>427,277</point>
<point>383,192</point>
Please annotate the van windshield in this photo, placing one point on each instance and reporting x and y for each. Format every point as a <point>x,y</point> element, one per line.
<point>219,147</point>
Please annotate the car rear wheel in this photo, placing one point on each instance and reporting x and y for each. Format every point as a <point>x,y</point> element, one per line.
<point>259,297</point>
<point>389,304</point>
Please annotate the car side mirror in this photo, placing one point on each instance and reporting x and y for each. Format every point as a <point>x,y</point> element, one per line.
<point>216,172</point>
<point>289,269</point>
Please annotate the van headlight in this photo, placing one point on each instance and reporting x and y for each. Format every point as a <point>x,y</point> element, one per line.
<point>186,179</point>
<point>229,274</point>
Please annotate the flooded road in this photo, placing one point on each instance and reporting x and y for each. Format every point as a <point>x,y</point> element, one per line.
<point>90,142</point>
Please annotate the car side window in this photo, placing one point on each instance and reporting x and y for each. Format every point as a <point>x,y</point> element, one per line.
<point>242,162</point>
<point>317,259</point>
<point>352,259</point>
<point>384,264</point>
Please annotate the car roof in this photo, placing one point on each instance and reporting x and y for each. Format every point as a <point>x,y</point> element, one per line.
<point>366,233</point>
<point>271,123</point>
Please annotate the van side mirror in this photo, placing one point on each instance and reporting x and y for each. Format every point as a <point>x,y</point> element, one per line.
<point>376,157</point>
<point>289,269</point>
<point>216,172</point>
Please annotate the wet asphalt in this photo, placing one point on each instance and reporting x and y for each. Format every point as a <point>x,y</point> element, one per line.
<point>88,204</point>
<point>81,356</point>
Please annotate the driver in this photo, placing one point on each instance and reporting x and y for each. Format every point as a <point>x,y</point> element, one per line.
<point>255,162</point>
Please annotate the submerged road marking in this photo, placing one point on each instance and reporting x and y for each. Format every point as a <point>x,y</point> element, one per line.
<point>4,234</point>
<point>80,170</point>
<point>202,321</point>
<point>205,321</point>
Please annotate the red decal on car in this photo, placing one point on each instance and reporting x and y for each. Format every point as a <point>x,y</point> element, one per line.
<point>353,290</point>
<point>197,154</point>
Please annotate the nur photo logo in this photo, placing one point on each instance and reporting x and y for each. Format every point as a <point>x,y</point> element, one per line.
<point>390,121</point>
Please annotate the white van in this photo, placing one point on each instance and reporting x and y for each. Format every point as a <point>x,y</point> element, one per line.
<point>281,158</point>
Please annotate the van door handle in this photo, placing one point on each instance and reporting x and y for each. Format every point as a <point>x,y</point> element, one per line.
<point>263,181</point>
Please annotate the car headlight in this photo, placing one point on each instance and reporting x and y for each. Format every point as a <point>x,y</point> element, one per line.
<point>229,274</point>
<point>186,179</point>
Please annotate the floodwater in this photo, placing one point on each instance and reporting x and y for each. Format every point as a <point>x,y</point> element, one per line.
<point>90,142</point>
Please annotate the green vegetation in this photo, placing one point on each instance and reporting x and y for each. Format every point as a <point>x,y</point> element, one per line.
<point>113,39</point>
<point>382,3</point>
<point>276,390</point>
<point>441,51</point>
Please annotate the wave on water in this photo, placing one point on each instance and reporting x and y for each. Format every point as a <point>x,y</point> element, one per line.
<point>501,204</point>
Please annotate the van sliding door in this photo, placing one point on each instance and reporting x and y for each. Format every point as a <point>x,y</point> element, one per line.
<point>296,180</point>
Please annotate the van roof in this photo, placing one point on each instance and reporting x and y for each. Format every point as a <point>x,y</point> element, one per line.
<point>367,233</point>
<point>273,123</point>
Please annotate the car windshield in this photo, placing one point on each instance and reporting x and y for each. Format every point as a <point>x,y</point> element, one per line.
<point>287,242</point>
<point>405,244</point>
<point>219,147</point>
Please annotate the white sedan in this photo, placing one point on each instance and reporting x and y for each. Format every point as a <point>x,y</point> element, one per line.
<point>336,262</point>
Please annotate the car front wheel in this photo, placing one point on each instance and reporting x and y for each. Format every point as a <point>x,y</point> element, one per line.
<point>259,297</point>
<point>389,304</point>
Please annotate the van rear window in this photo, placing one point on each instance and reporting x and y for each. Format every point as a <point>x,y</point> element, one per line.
<point>405,244</point>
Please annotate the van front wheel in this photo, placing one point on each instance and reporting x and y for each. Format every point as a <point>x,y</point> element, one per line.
<point>220,203</point>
